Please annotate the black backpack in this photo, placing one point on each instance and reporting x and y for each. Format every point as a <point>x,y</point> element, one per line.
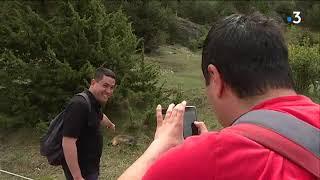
<point>51,142</point>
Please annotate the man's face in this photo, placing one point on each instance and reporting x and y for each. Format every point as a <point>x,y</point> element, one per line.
<point>103,89</point>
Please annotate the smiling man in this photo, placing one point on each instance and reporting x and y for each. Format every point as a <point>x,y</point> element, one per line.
<point>82,140</point>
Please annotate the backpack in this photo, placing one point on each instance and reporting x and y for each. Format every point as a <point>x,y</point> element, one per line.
<point>51,142</point>
<point>285,134</point>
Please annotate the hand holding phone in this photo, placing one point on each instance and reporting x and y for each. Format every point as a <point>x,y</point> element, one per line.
<point>190,115</point>
<point>202,128</point>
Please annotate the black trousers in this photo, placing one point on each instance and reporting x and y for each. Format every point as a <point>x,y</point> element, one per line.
<point>68,175</point>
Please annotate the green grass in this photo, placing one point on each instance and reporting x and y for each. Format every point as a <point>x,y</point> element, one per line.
<point>19,152</point>
<point>180,68</point>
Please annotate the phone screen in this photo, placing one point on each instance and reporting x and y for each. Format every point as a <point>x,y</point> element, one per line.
<point>190,115</point>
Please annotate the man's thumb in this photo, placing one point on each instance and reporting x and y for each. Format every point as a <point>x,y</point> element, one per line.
<point>201,127</point>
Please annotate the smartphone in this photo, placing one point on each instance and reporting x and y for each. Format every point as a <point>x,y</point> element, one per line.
<point>190,115</point>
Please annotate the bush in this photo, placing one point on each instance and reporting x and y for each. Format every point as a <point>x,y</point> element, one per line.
<point>196,44</point>
<point>43,63</point>
<point>284,8</point>
<point>305,64</point>
<point>313,16</point>
<point>150,20</point>
<point>297,36</point>
<point>204,12</point>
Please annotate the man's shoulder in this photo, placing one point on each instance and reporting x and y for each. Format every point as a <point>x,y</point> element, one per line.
<point>205,139</point>
<point>199,147</point>
<point>229,137</point>
<point>212,140</point>
<point>207,151</point>
<point>195,152</point>
<point>78,102</point>
<point>78,99</point>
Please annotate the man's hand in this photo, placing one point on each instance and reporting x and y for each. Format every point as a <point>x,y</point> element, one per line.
<point>107,123</point>
<point>201,127</point>
<point>169,132</point>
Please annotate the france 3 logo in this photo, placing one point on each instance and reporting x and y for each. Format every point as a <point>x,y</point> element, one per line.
<point>295,19</point>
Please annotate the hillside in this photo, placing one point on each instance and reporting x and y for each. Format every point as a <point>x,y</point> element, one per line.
<point>180,68</point>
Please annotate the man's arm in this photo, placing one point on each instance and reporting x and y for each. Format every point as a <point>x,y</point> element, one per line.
<point>71,156</point>
<point>140,166</point>
<point>105,122</point>
<point>194,159</point>
<point>169,133</point>
<point>155,162</point>
<point>75,119</point>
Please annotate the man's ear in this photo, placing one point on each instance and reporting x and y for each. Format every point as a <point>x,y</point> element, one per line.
<point>93,81</point>
<point>216,78</point>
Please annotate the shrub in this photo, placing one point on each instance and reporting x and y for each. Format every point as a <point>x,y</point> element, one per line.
<point>150,20</point>
<point>305,64</point>
<point>43,63</point>
<point>313,15</point>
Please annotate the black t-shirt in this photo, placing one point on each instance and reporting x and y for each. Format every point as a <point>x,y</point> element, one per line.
<point>84,126</point>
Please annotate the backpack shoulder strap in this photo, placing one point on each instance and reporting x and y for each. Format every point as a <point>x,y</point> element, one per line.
<point>285,134</point>
<point>86,97</point>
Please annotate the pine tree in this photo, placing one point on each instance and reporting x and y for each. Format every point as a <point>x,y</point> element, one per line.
<point>45,62</point>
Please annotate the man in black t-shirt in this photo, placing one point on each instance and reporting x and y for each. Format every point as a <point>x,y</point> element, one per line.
<point>82,140</point>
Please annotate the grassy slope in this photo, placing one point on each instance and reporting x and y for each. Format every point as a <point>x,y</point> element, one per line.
<point>19,151</point>
<point>181,68</point>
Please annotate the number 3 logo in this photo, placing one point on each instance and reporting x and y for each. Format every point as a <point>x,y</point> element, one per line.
<point>297,16</point>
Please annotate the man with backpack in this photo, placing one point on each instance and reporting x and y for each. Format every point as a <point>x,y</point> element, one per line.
<point>74,139</point>
<point>270,131</point>
<point>82,141</point>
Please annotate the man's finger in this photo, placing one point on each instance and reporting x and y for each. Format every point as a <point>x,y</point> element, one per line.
<point>159,115</point>
<point>180,112</point>
<point>201,127</point>
<point>174,113</point>
<point>169,111</point>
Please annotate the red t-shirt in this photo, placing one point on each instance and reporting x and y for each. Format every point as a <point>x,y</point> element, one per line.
<point>225,155</point>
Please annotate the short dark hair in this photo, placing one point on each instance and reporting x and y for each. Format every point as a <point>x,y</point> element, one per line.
<point>250,53</point>
<point>101,71</point>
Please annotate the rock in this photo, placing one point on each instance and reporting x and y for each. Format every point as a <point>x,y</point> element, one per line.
<point>187,30</point>
<point>123,139</point>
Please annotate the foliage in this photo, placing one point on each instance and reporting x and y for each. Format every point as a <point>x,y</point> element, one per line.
<point>204,12</point>
<point>297,35</point>
<point>44,62</point>
<point>49,54</point>
<point>305,64</point>
<point>150,20</point>
<point>313,15</point>
<point>157,22</point>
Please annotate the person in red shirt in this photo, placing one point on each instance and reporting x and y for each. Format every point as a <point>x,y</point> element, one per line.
<point>245,67</point>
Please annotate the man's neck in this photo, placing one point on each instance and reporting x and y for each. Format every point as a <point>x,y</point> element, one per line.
<point>275,93</point>
<point>242,106</point>
<point>94,95</point>
<point>92,92</point>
